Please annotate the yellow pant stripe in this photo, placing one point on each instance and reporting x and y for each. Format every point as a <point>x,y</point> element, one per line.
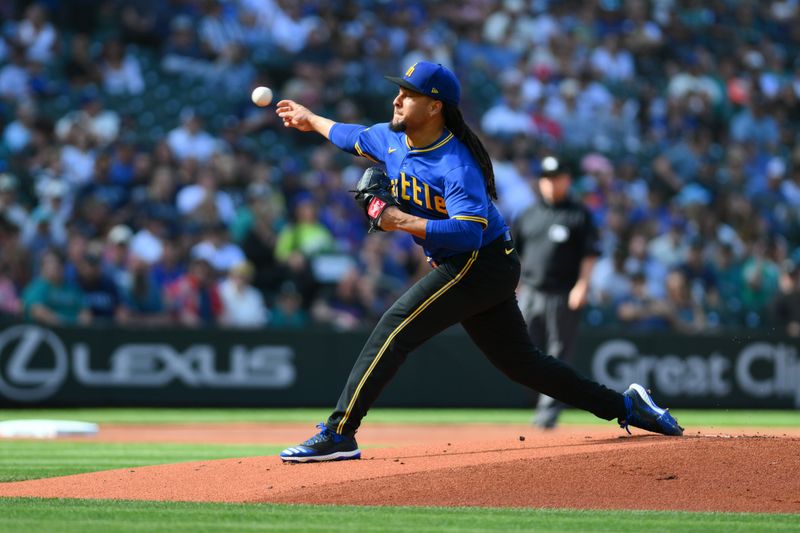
<point>398,329</point>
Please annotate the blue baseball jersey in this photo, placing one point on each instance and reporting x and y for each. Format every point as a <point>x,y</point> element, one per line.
<point>434,182</point>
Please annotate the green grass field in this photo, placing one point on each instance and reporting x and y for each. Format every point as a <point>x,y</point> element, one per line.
<point>21,460</point>
<point>22,515</point>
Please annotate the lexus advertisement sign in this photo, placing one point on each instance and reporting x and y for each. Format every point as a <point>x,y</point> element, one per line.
<point>172,367</point>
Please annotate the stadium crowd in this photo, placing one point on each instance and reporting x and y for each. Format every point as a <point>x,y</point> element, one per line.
<point>140,186</point>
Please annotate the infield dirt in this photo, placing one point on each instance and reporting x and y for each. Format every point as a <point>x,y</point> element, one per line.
<point>590,467</point>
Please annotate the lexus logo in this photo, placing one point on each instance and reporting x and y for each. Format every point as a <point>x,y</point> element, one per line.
<point>33,363</point>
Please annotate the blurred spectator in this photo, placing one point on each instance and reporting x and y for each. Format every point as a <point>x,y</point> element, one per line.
<point>46,227</point>
<point>286,23</point>
<point>122,164</point>
<point>10,207</point>
<point>389,264</point>
<point>10,303</point>
<point>670,248</point>
<point>78,158</point>
<point>148,243</point>
<point>683,313</point>
<point>761,275</point>
<point>37,34</point>
<point>680,163</point>
<point>786,307</point>
<point>100,124</point>
<point>305,236</point>
<point>640,310</point>
<point>790,187</point>
<point>169,266</point>
<point>610,283</point>
<point>77,247</point>
<point>242,304</point>
<point>753,124</point>
<point>288,311</point>
<point>189,140</point>
<point>643,37</point>
<point>218,29</point>
<point>203,202</point>
<point>145,22</point>
<point>216,247</point>
<point>101,188</point>
<point>346,305</point>
<point>182,52</point>
<point>258,220</point>
<point>513,180</point>
<point>101,294</point>
<point>157,200</point>
<point>193,299</point>
<point>50,299</point>
<point>262,205</point>
<point>576,126</point>
<point>18,133</point>
<point>505,26</point>
<point>612,62</point>
<point>508,117</point>
<point>120,72</point>
<point>143,297</point>
<point>15,78</point>
<point>618,131</point>
<point>641,263</point>
<point>728,272</point>
<point>699,275</point>
<point>232,70</point>
<point>116,264</point>
<point>695,84</point>
<point>14,254</point>
<point>80,67</point>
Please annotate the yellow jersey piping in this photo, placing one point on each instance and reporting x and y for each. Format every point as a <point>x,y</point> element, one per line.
<point>441,143</point>
<point>481,220</point>
<point>362,153</point>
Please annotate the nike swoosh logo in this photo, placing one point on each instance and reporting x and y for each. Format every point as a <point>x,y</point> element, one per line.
<point>392,150</point>
<point>509,250</point>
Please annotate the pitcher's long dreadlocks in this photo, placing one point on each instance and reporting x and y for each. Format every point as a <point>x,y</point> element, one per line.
<point>454,121</point>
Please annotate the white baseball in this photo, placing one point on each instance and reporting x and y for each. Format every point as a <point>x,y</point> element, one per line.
<point>261,96</point>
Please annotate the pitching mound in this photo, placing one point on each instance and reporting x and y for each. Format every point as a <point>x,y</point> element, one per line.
<point>590,468</point>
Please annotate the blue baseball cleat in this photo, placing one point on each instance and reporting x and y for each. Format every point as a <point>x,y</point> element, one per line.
<point>642,412</point>
<point>326,445</point>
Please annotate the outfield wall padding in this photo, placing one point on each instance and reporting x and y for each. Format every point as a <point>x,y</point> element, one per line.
<point>42,366</point>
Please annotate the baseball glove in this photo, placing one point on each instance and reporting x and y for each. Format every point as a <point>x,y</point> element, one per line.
<point>373,193</point>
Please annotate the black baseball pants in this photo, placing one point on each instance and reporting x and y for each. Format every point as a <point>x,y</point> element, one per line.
<point>476,289</point>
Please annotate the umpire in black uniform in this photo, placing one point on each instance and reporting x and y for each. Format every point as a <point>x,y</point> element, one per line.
<point>558,245</point>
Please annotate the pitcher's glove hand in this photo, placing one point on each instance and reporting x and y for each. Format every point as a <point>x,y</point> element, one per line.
<point>373,193</point>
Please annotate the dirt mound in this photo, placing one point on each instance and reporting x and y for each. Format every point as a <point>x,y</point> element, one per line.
<point>572,468</point>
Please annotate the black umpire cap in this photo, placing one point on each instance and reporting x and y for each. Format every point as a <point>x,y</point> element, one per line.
<point>552,166</point>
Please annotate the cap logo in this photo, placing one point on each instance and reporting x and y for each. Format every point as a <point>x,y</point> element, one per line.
<point>410,70</point>
<point>434,91</point>
<point>549,164</point>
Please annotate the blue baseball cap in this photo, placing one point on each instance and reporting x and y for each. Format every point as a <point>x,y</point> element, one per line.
<point>431,79</point>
